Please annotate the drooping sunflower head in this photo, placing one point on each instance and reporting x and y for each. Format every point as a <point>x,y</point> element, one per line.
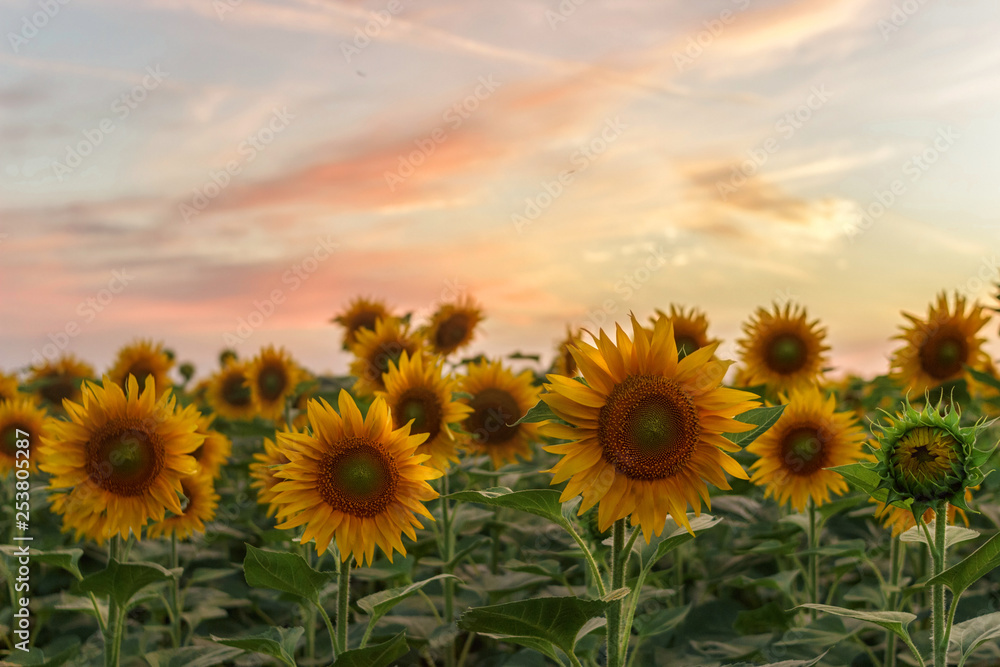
<point>22,424</point>
<point>938,349</point>
<point>262,471</point>
<point>499,398</point>
<point>361,313</point>
<point>228,392</point>
<point>809,437</point>
<point>199,505</point>
<point>782,349</point>
<point>925,457</point>
<point>214,451</point>
<point>375,349</point>
<point>55,381</point>
<point>452,326</point>
<point>119,460</point>
<point>143,359</point>
<point>273,377</point>
<point>645,428</point>
<point>417,391</point>
<point>564,363</point>
<point>356,480</point>
<point>690,329</point>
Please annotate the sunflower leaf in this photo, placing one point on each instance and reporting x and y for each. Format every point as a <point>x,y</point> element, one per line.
<point>375,655</point>
<point>893,621</point>
<point>284,572</point>
<point>952,535</point>
<point>378,604</point>
<point>540,502</point>
<point>203,655</point>
<point>67,559</point>
<point>966,572</point>
<point>862,477</point>
<point>680,535</point>
<point>123,580</point>
<point>556,621</point>
<point>983,377</point>
<point>541,412</point>
<point>762,418</point>
<point>275,642</point>
<point>971,634</point>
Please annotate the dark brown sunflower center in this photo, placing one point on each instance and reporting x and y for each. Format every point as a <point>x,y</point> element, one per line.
<point>942,356</point>
<point>366,319</point>
<point>8,442</point>
<point>57,387</point>
<point>124,457</point>
<point>359,480</point>
<point>648,428</point>
<point>786,353</point>
<point>271,381</point>
<point>141,370</point>
<point>803,451</point>
<point>492,410</point>
<point>686,344</point>
<point>389,351</point>
<point>422,406</point>
<point>452,332</point>
<point>235,391</point>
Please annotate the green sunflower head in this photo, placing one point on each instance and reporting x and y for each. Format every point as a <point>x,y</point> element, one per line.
<point>925,457</point>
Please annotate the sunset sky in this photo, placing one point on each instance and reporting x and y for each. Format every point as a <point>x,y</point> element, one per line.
<point>179,162</point>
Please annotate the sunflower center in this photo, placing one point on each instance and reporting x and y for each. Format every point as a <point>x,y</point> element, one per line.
<point>124,457</point>
<point>272,381</point>
<point>235,391</point>
<point>58,387</point>
<point>803,451</point>
<point>786,353</point>
<point>493,409</point>
<point>141,371</point>
<point>8,443</point>
<point>685,344</point>
<point>452,332</point>
<point>364,320</point>
<point>422,406</point>
<point>389,351</point>
<point>943,356</point>
<point>359,480</point>
<point>924,460</point>
<point>648,428</point>
<point>570,363</point>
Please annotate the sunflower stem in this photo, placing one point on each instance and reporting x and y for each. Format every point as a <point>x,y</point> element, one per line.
<point>310,611</point>
<point>614,613</point>
<point>940,630</point>
<point>896,558</point>
<point>175,595</point>
<point>343,598</point>
<point>447,530</point>
<point>813,559</point>
<point>329,629</point>
<point>113,637</point>
<point>678,599</point>
<point>589,556</point>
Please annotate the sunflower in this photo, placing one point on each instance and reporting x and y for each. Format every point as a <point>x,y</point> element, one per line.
<point>356,480</point>
<point>809,437</point>
<point>646,430</point>
<point>143,359</point>
<point>263,470</point>
<point>273,377</point>
<point>118,462</point>
<point>60,379</point>
<point>20,414</point>
<point>499,398</point>
<point>417,391</point>
<point>938,349</point>
<point>900,520</point>
<point>214,451</point>
<point>690,329</point>
<point>202,500</point>
<point>8,387</point>
<point>361,313</point>
<point>228,392</point>
<point>782,349</point>
<point>452,326</point>
<point>564,363</point>
<point>375,348</point>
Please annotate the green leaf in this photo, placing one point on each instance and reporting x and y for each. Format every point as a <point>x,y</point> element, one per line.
<point>276,642</point>
<point>787,663</point>
<point>663,620</point>
<point>55,654</point>
<point>123,580</point>
<point>205,655</point>
<point>984,378</point>
<point>67,559</point>
<point>952,534</point>
<point>971,634</point>
<point>965,573</point>
<point>285,572</point>
<point>763,418</point>
<point>680,535</point>
<point>378,604</point>
<point>557,621</point>
<point>540,502</point>
<point>893,621</point>
<point>539,413</point>
<point>375,655</point>
<point>862,477</point>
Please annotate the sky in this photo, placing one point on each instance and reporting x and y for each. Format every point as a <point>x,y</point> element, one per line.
<point>204,172</point>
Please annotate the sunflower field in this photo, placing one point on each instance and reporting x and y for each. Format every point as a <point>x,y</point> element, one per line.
<point>638,501</point>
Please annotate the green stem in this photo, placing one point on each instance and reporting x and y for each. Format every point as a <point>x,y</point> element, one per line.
<point>343,598</point>
<point>678,577</point>
<point>329,629</point>
<point>896,557</point>
<point>614,613</point>
<point>813,559</point>
<point>449,553</point>
<point>116,616</point>
<point>309,611</point>
<point>589,556</point>
<point>175,595</point>
<point>939,628</point>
